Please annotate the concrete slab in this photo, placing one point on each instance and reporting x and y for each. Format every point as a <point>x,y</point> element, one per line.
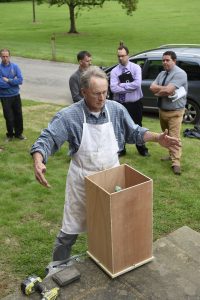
<point>173,275</point>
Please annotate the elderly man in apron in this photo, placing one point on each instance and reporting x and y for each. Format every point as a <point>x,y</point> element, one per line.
<point>93,128</point>
<point>98,151</point>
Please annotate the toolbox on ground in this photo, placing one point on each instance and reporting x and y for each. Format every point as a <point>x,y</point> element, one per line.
<point>119,223</point>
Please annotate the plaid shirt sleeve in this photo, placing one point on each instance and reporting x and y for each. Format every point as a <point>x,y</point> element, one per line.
<point>67,126</point>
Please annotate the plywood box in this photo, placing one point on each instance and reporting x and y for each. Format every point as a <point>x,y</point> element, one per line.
<point>119,223</point>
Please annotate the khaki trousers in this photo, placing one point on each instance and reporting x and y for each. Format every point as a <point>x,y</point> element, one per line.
<point>172,121</point>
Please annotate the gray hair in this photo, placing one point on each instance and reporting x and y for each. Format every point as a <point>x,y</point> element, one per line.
<point>92,71</point>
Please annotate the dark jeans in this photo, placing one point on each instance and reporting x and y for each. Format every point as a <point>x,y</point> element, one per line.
<point>63,245</point>
<point>12,111</point>
<point>135,111</point>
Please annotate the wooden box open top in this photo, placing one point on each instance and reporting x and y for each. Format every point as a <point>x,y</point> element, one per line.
<point>119,223</point>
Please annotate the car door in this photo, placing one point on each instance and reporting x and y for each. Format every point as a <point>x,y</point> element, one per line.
<point>151,68</point>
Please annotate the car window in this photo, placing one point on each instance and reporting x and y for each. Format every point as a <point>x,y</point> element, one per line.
<point>139,62</point>
<point>191,68</point>
<point>154,68</point>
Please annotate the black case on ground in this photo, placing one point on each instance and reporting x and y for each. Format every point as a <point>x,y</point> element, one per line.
<point>66,276</point>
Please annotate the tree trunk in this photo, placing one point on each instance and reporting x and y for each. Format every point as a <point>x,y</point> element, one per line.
<point>72,19</point>
<point>33,2</point>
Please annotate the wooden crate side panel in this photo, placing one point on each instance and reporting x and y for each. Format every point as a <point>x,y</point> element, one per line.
<point>99,224</point>
<point>109,178</point>
<point>133,177</point>
<point>132,226</point>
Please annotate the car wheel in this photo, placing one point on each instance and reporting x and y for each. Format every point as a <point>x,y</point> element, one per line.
<point>192,113</point>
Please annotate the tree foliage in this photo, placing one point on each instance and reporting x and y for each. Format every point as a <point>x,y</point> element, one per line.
<point>129,5</point>
<point>76,5</point>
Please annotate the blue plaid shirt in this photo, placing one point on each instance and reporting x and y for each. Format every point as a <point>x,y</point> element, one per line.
<point>67,126</point>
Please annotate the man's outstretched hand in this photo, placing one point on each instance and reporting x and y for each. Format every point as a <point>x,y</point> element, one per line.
<point>40,169</point>
<point>168,141</point>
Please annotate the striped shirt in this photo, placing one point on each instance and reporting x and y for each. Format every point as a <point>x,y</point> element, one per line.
<point>67,126</point>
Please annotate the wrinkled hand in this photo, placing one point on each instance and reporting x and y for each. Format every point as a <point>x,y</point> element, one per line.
<point>169,142</point>
<point>40,169</point>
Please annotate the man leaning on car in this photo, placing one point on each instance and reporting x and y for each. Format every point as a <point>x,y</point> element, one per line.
<point>171,107</point>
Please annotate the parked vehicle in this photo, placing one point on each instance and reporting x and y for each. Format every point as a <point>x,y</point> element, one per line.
<point>188,58</point>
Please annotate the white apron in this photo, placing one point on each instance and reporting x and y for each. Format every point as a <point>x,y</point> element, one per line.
<point>97,152</point>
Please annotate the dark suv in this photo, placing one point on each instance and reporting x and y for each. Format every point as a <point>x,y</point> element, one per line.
<point>188,58</point>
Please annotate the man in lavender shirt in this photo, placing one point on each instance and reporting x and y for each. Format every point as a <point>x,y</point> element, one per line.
<point>125,84</point>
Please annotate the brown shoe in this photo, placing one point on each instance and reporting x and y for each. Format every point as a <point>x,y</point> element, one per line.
<point>166,158</point>
<point>176,170</point>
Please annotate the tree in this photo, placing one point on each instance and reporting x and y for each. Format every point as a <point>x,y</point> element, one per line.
<point>34,19</point>
<point>76,5</point>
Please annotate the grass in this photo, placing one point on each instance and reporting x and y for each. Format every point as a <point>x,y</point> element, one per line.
<point>31,215</point>
<point>152,24</point>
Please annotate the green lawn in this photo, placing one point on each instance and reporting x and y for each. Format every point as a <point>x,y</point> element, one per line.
<point>154,23</point>
<point>31,215</point>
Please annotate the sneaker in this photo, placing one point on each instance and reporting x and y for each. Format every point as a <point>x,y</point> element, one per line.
<point>21,137</point>
<point>145,153</point>
<point>54,267</point>
<point>54,270</point>
<point>176,170</point>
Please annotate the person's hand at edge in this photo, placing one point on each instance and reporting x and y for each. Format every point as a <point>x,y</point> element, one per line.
<point>40,169</point>
<point>163,139</point>
<point>168,141</point>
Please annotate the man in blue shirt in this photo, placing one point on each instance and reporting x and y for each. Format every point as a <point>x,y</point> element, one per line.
<point>95,129</point>
<point>10,79</point>
<point>125,84</point>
